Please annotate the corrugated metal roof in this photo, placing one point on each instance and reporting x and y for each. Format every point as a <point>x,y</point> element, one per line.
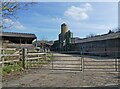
<point>100,37</point>
<point>14,34</point>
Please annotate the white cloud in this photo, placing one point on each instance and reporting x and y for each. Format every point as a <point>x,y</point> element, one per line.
<point>7,23</point>
<point>18,25</point>
<point>10,24</point>
<point>7,20</point>
<point>78,13</point>
<point>87,6</point>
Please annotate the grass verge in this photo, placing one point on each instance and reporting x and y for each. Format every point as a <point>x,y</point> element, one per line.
<point>8,68</point>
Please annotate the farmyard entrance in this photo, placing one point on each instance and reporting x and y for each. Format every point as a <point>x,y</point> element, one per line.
<point>45,76</point>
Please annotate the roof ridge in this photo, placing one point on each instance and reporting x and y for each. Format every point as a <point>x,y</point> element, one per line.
<point>18,33</point>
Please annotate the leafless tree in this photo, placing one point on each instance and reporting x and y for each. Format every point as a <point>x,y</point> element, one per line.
<point>9,9</point>
<point>116,30</point>
<point>90,35</point>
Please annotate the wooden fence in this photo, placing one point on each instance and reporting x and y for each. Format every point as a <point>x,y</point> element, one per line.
<point>6,54</point>
<point>8,57</point>
<point>31,58</point>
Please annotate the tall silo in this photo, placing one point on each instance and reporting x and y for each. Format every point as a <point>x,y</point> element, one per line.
<point>62,35</point>
<point>64,29</point>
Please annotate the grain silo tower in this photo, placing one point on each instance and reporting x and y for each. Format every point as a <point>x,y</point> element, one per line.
<point>64,28</point>
<point>64,38</point>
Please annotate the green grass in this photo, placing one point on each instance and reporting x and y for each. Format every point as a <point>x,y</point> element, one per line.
<point>0,70</point>
<point>34,63</point>
<point>37,63</point>
<point>8,51</point>
<point>40,62</point>
<point>8,68</point>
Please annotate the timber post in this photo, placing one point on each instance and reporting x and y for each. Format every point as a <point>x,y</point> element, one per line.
<point>24,51</point>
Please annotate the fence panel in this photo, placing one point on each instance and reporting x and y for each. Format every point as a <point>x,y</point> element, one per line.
<point>66,62</point>
<point>97,63</point>
<point>37,59</point>
<point>8,56</point>
<point>10,60</point>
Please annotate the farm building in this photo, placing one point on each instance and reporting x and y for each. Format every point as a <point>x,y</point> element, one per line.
<point>13,39</point>
<point>103,45</point>
<point>43,45</point>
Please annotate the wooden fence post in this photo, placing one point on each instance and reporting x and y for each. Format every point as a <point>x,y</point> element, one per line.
<point>44,56</point>
<point>24,51</point>
<point>20,55</point>
<point>3,60</point>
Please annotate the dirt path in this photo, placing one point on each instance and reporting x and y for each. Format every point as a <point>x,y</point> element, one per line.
<point>45,77</point>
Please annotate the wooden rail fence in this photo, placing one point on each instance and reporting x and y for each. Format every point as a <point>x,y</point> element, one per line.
<point>22,56</point>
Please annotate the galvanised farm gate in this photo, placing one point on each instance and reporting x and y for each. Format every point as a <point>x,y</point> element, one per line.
<point>81,62</point>
<point>66,62</point>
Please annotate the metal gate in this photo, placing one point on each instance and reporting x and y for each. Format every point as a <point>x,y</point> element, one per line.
<point>100,64</point>
<point>70,62</point>
<point>84,63</point>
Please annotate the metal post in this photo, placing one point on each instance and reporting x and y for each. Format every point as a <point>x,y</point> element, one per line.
<point>38,59</point>
<point>118,66</point>
<point>20,42</point>
<point>82,61</point>
<point>80,64</point>
<point>52,60</point>
<point>26,58</point>
<point>116,62</point>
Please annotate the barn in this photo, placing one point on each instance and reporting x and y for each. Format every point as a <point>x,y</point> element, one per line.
<point>101,45</point>
<point>14,39</point>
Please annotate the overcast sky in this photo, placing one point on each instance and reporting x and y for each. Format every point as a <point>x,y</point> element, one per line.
<point>44,18</point>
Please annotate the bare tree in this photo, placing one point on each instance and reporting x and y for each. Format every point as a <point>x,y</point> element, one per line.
<point>117,30</point>
<point>111,31</point>
<point>9,10</point>
<point>90,35</point>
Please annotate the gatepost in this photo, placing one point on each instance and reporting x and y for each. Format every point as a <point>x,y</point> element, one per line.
<point>24,52</point>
